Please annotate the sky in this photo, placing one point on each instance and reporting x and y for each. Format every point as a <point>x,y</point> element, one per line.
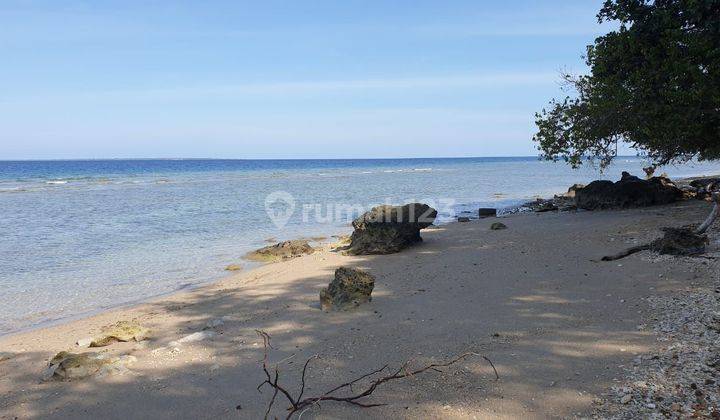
<point>290,79</point>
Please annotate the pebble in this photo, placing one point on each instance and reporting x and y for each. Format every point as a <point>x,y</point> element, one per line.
<point>670,381</point>
<point>84,342</point>
<point>193,338</point>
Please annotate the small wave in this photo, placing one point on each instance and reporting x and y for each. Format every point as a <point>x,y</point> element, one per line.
<point>422,169</point>
<point>12,190</point>
<point>56,182</point>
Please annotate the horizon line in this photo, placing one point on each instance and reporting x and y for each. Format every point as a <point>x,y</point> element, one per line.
<point>274,159</point>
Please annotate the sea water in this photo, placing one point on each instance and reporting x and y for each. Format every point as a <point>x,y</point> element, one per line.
<point>80,236</point>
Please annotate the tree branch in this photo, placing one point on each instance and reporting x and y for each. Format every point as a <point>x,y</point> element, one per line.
<point>300,403</point>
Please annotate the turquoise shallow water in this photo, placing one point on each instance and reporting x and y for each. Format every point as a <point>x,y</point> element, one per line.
<point>80,236</point>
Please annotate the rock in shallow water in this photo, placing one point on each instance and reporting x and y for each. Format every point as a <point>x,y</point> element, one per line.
<point>281,251</point>
<point>349,289</point>
<point>390,229</point>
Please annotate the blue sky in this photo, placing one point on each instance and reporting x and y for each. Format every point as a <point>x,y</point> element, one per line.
<point>294,79</point>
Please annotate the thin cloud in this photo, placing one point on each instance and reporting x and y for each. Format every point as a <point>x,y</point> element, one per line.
<point>494,81</point>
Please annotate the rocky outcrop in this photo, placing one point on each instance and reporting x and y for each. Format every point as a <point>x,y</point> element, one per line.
<point>68,366</point>
<point>573,190</point>
<point>121,331</point>
<point>629,191</point>
<point>702,188</point>
<point>281,251</point>
<point>389,229</point>
<point>233,267</point>
<point>349,289</point>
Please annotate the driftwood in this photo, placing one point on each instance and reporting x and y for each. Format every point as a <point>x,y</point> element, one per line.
<point>677,241</point>
<point>300,404</point>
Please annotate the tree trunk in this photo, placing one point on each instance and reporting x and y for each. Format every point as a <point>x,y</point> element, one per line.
<point>712,216</point>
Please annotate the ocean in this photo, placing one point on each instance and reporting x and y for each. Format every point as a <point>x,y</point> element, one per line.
<point>80,236</point>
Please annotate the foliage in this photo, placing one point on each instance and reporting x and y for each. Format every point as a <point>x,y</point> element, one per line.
<point>654,83</point>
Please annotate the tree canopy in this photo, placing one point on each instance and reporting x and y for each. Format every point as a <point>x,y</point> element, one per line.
<point>654,83</point>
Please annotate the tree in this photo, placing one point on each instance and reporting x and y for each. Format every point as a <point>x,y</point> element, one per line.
<point>654,83</point>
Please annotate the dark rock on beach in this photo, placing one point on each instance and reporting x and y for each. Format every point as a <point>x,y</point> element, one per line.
<point>629,191</point>
<point>390,229</point>
<point>498,226</point>
<point>349,289</point>
<point>281,251</point>
<point>487,212</point>
<point>702,188</point>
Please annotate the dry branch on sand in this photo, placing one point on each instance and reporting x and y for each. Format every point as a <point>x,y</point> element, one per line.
<point>298,404</point>
<point>676,241</point>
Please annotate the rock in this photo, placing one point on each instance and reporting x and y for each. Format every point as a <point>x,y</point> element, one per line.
<point>487,212</point>
<point>626,399</point>
<point>84,342</point>
<point>462,219</point>
<point>349,289</point>
<point>281,251</point>
<point>233,267</point>
<point>629,191</point>
<point>701,188</point>
<point>706,184</point>
<point>194,338</point>
<point>498,226</point>
<point>68,366</point>
<point>389,229</point>
<point>542,206</point>
<point>573,190</point>
<point>121,331</point>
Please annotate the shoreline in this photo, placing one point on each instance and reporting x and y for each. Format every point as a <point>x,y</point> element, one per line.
<point>522,206</point>
<point>537,311</point>
<point>332,232</point>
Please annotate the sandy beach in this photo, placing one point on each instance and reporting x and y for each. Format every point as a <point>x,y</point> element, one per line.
<point>559,327</point>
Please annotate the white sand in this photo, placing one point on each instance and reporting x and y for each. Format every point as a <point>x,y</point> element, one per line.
<point>557,325</point>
